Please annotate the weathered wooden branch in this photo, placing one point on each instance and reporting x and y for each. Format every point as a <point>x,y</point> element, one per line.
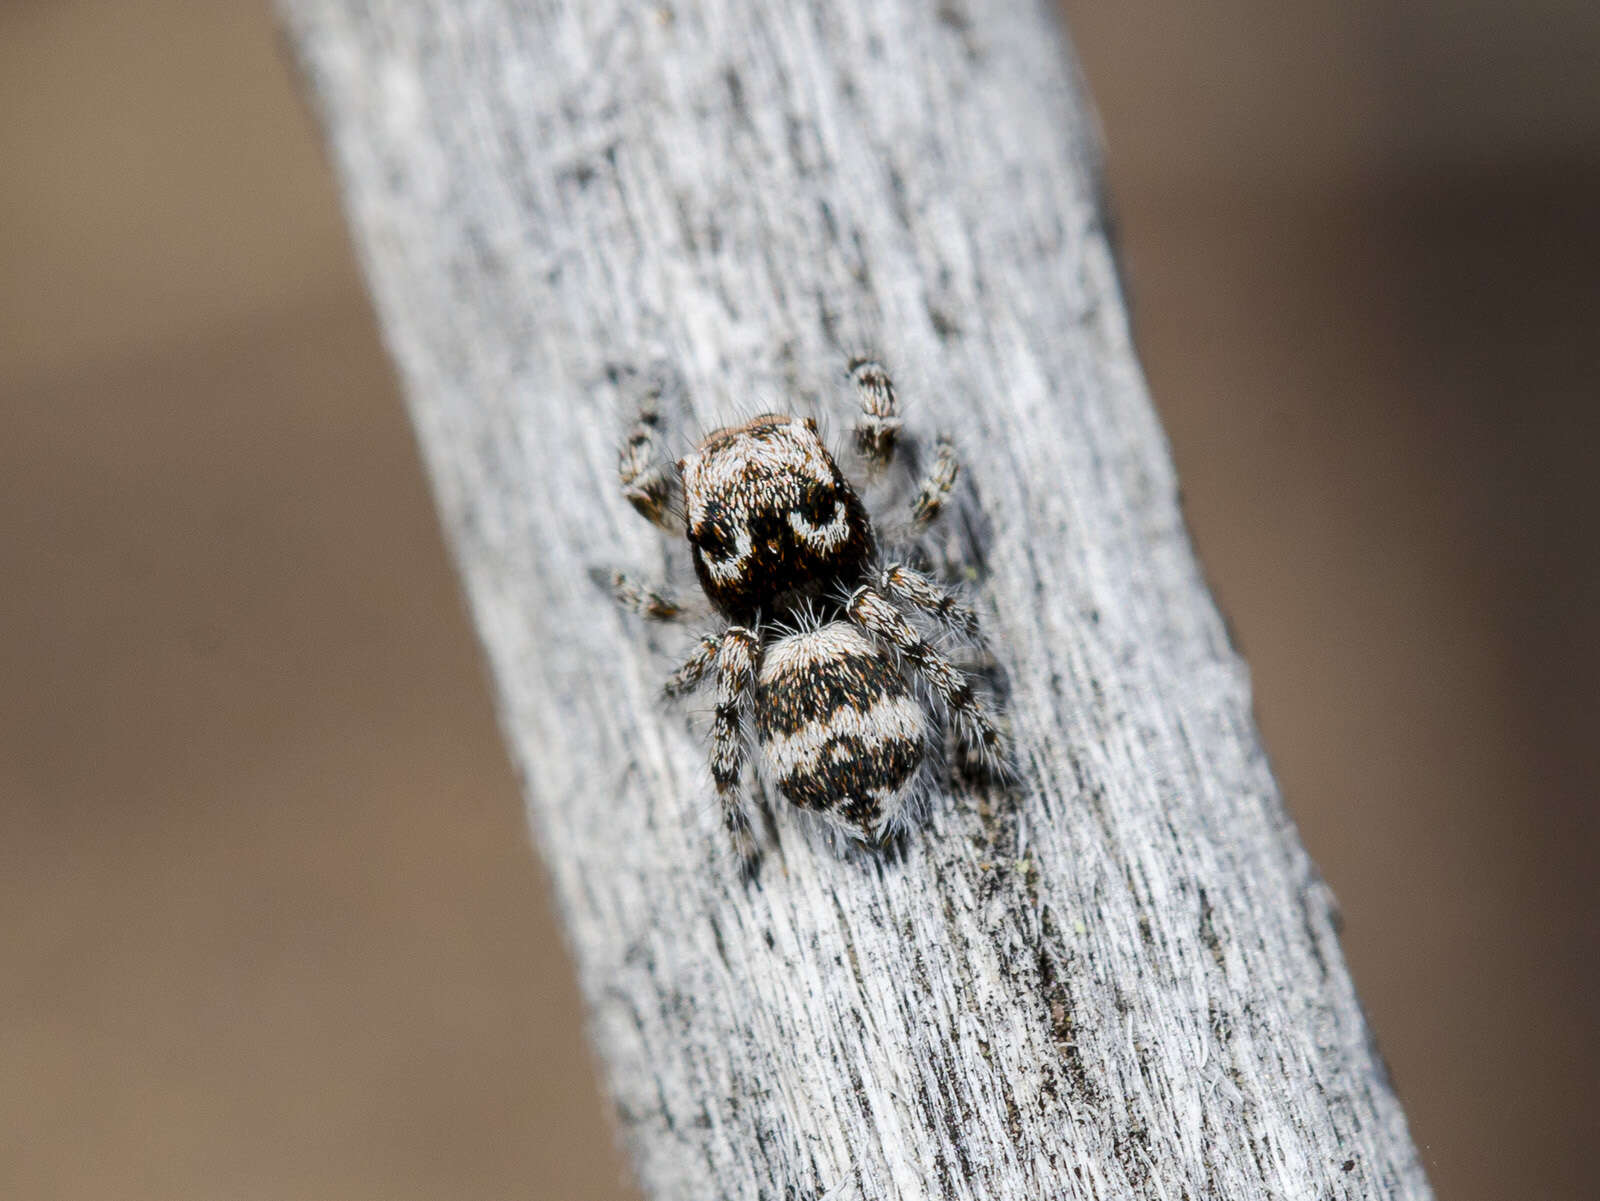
<point>1120,980</point>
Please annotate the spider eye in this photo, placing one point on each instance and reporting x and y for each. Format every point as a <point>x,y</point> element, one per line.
<point>818,504</point>
<point>712,543</point>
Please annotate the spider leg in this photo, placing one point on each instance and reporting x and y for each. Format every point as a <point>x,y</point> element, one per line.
<point>736,675</point>
<point>934,489</point>
<point>877,615</point>
<point>695,668</point>
<point>733,655</point>
<point>878,424</point>
<point>927,595</point>
<point>649,480</point>
<point>636,598</point>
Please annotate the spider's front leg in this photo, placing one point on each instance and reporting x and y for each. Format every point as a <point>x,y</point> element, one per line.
<point>877,615</point>
<point>636,598</point>
<point>877,425</point>
<point>649,479</point>
<point>877,433</point>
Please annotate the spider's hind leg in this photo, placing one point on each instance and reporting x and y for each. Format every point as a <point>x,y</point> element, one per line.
<point>877,615</point>
<point>732,656</point>
<point>926,595</point>
<point>736,675</point>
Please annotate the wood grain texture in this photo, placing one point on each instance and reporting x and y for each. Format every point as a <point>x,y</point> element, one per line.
<point>1121,978</point>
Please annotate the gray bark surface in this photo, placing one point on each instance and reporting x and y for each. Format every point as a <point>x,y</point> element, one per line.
<point>1121,977</point>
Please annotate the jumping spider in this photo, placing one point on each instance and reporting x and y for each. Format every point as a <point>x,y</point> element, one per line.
<point>817,648</point>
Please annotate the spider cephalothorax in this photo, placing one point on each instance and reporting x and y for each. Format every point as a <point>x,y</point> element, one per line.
<point>819,651</point>
<point>770,516</point>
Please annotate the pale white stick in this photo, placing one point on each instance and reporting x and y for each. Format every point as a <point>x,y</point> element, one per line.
<point>1122,981</point>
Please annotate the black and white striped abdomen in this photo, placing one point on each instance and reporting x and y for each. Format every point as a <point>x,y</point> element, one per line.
<point>842,732</point>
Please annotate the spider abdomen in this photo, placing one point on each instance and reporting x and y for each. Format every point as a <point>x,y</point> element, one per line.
<point>842,733</point>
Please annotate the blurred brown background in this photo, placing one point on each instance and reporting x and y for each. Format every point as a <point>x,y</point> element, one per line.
<point>268,923</point>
